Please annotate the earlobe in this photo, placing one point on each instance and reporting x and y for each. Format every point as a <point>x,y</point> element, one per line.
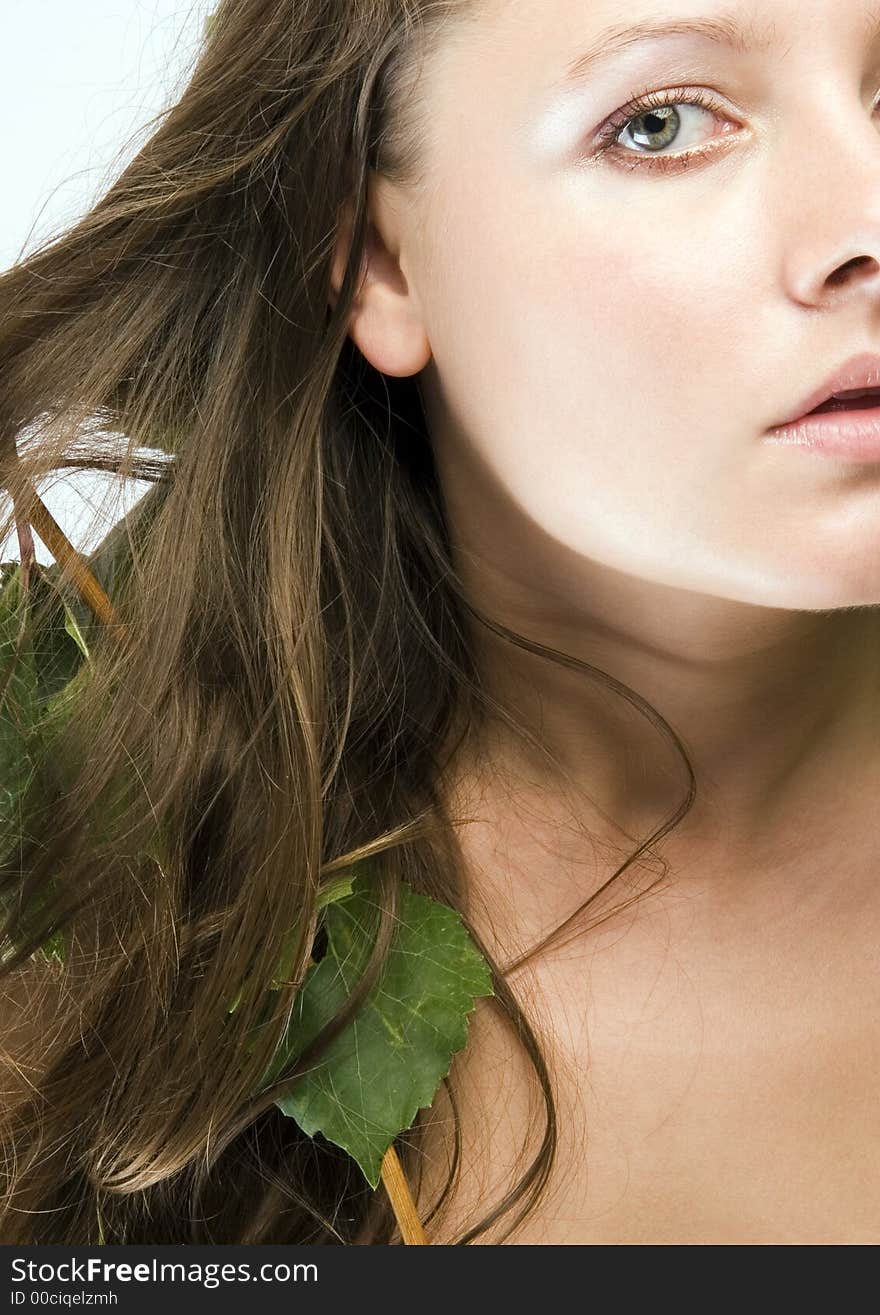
<point>387,332</point>
<point>385,323</point>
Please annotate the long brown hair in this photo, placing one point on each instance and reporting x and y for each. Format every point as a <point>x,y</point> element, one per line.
<point>293,663</point>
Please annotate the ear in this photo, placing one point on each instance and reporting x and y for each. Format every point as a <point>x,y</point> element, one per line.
<point>385,321</point>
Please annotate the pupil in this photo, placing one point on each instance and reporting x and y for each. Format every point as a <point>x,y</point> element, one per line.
<point>661,127</point>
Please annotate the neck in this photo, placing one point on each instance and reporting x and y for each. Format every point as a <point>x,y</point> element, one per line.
<point>776,710</point>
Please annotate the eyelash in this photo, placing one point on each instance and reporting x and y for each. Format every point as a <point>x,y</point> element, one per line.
<point>643,104</point>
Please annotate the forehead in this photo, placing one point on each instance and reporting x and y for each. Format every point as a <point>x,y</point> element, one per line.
<point>541,37</point>
<point>505,52</point>
<point>513,57</point>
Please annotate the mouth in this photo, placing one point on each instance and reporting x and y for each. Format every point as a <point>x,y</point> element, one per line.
<point>845,426</point>
<point>866,400</point>
<point>841,418</point>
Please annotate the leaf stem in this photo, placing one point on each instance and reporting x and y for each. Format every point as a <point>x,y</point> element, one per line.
<point>73,563</point>
<point>401,1200</point>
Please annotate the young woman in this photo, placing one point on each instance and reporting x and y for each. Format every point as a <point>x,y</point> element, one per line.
<point>478,335</point>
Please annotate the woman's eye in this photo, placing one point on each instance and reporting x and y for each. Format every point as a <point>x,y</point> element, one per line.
<point>667,130</point>
<point>656,126</point>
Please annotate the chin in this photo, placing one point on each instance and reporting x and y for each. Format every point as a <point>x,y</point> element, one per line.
<point>827,591</point>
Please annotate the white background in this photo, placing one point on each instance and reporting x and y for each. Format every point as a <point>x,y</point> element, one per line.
<point>79,80</point>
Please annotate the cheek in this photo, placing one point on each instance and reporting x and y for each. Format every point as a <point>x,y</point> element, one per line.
<point>637,314</point>
<point>609,361</point>
<point>602,346</point>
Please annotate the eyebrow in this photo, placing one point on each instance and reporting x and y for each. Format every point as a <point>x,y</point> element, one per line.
<point>724,30</point>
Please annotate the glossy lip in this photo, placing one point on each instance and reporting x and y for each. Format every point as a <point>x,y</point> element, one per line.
<point>861,371</point>
<point>850,435</point>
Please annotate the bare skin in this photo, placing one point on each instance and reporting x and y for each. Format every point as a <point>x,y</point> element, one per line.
<point>714,1049</point>
<point>601,348</point>
<point>706,1099</point>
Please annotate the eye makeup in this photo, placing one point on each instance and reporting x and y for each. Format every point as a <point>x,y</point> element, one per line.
<point>577,115</point>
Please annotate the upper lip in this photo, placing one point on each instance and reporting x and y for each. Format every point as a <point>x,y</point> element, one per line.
<point>861,371</point>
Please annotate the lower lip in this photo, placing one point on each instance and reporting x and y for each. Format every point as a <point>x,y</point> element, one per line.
<point>848,435</point>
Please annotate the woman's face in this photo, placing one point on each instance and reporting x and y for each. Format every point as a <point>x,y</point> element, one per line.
<point>609,335</point>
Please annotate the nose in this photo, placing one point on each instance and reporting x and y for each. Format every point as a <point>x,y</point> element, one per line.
<point>821,280</point>
<point>834,236</point>
<point>855,271</point>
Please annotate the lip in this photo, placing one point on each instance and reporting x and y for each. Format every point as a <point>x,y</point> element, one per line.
<point>861,371</point>
<point>851,435</point>
<point>848,435</point>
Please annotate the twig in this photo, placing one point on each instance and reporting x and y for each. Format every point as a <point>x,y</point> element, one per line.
<point>401,1200</point>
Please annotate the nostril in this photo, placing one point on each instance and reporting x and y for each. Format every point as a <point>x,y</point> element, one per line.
<point>842,273</point>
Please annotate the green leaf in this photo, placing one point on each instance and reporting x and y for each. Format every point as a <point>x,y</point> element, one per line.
<point>57,653</point>
<point>388,1062</point>
<point>47,635</point>
<point>337,888</point>
<point>285,966</point>
<point>37,660</point>
<point>40,663</point>
<point>71,625</point>
<point>19,702</point>
<point>54,947</point>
